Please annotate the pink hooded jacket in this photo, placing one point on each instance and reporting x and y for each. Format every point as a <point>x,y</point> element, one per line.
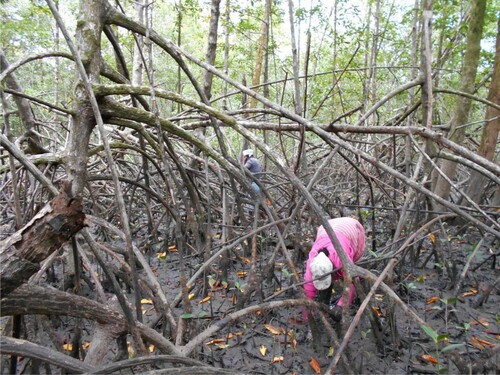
<point>351,236</point>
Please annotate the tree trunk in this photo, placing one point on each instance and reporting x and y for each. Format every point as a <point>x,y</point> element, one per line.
<point>460,116</point>
<point>261,47</point>
<point>212,45</point>
<point>227,19</point>
<point>22,252</point>
<point>88,42</point>
<point>138,58</point>
<point>296,88</point>
<point>295,55</point>
<point>489,137</point>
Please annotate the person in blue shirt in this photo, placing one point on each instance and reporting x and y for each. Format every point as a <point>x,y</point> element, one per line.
<point>253,165</point>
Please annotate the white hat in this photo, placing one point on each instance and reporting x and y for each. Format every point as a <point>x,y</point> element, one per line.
<point>320,265</point>
<point>248,152</point>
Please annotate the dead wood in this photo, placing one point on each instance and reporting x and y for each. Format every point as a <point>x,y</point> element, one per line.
<point>33,299</point>
<point>22,252</point>
<point>25,348</point>
<point>140,361</point>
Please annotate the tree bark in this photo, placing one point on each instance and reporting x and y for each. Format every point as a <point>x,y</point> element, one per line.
<point>460,116</point>
<point>296,62</point>
<point>34,299</point>
<point>489,137</point>
<point>212,45</point>
<point>27,349</point>
<point>262,46</point>
<point>22,252</point>
<point>88,42</point>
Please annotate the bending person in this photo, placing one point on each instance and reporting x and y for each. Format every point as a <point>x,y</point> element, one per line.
<point>323,257</point>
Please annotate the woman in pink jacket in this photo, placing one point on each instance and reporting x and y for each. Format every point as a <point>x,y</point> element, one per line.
<point>323,257</point>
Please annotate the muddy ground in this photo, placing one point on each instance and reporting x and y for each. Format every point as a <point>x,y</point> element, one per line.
<point>465,334</point>
<point>466,329</point>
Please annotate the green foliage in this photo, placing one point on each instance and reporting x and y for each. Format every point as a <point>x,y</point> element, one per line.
<point>430,332</point>
<point>24,26</point>
<point>200,314</point>
<point>285,272</point>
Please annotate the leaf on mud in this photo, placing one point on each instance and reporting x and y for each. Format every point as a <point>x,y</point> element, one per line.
<point>378,311</point>
<point>315,365</point>
<point>162,256</point>
<point>421,279</point>
<point>452,347</point>
<point>273,330</point>
<point>432,300</point>
<point>331,351</point>
<point>263,350</point>
<point>146,301</point>
<point>480,343</point>
<point>471,292</point>
<point>241,273</point>
<point>277,359</point>
<point>293,339</point>
<point>433,334</point>
<point>481,321</point>
<point>200,315</point>
<point>430,358</point>
<point>191,296</point>
<point>151,348</point>
<point>215,341</point>
<point>205,300</point>
<point>131,351</point>
<point>432,237</point>
<point>296,321</point>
